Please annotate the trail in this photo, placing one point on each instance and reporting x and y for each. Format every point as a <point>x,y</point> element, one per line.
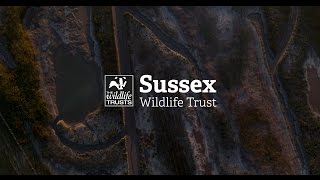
<point>273,80</point>
<point>178,48</point>
<point>125,67</point>
<point>87,147</point>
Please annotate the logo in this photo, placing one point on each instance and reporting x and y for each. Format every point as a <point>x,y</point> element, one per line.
<point>119,91</point>
<point>119,85</point>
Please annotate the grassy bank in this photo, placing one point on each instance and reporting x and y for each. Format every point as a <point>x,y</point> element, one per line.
<point>236,63</point>
<point>311,25</point>
<point>21,100</point>
<point>21,103</point>
<point>260,143</point>
<point>295,85</point>
<point>171,141</point>
<point>102,19</point>
<point>276,18</point>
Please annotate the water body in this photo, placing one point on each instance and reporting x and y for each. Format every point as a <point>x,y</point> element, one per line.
<point>78,85</point>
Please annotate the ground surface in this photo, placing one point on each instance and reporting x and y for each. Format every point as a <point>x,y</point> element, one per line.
<point>265,62</point>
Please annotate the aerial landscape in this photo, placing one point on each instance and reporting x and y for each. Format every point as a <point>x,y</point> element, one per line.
<point>265,61</point>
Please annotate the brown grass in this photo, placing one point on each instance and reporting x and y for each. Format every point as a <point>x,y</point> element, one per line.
<point>276,17</point>
<point>258,140</point>
<point>295,85</point>
<point>171,141</point>
<point>21,99</point>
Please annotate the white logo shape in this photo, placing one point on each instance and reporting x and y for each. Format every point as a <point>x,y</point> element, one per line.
<point>119,85</point>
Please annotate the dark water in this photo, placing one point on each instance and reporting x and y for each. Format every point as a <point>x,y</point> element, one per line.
<point>78,83</point>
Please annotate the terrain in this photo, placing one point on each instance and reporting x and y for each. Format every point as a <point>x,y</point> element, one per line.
<point>265,61</point>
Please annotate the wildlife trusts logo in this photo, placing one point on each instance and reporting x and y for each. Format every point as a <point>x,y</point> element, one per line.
<point>119,91</point>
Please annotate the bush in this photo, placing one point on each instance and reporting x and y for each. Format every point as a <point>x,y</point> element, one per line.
<point>21,99</point>
<point>257,139</point>
<point>295,85</point>
<point>102,18</point>
<point>276,17</point>
<point>171,141</point>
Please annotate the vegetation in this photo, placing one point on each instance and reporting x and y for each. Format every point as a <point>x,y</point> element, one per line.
<point>260,142</point>
<point>276,17</point>
<point>207,31</point>
<point>235,65</point>
<point>145,143</point>
<point>21,103</point>
<point>295,85</point>
<point>115,156</point>
<point>108,161</point>
<point>311,25</point>
<point>223,130</point>
<point>234,68</point>
<point>20,97</point>
<point>171,141</point>
<point>102,19</point>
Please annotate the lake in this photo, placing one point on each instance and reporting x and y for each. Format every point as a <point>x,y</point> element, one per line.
<point>78,85</point>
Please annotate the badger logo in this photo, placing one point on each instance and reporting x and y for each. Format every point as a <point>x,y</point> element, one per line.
<point>120,84</point>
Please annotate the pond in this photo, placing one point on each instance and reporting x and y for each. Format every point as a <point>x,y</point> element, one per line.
<point>78,85</point>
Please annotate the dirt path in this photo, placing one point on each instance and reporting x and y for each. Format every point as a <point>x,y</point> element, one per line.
<point>87,147</point>
<point>289,39</point>
<point>182,50</point>
<point>271,77</point>
<point>125,67</point>
<point>163,36</point>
